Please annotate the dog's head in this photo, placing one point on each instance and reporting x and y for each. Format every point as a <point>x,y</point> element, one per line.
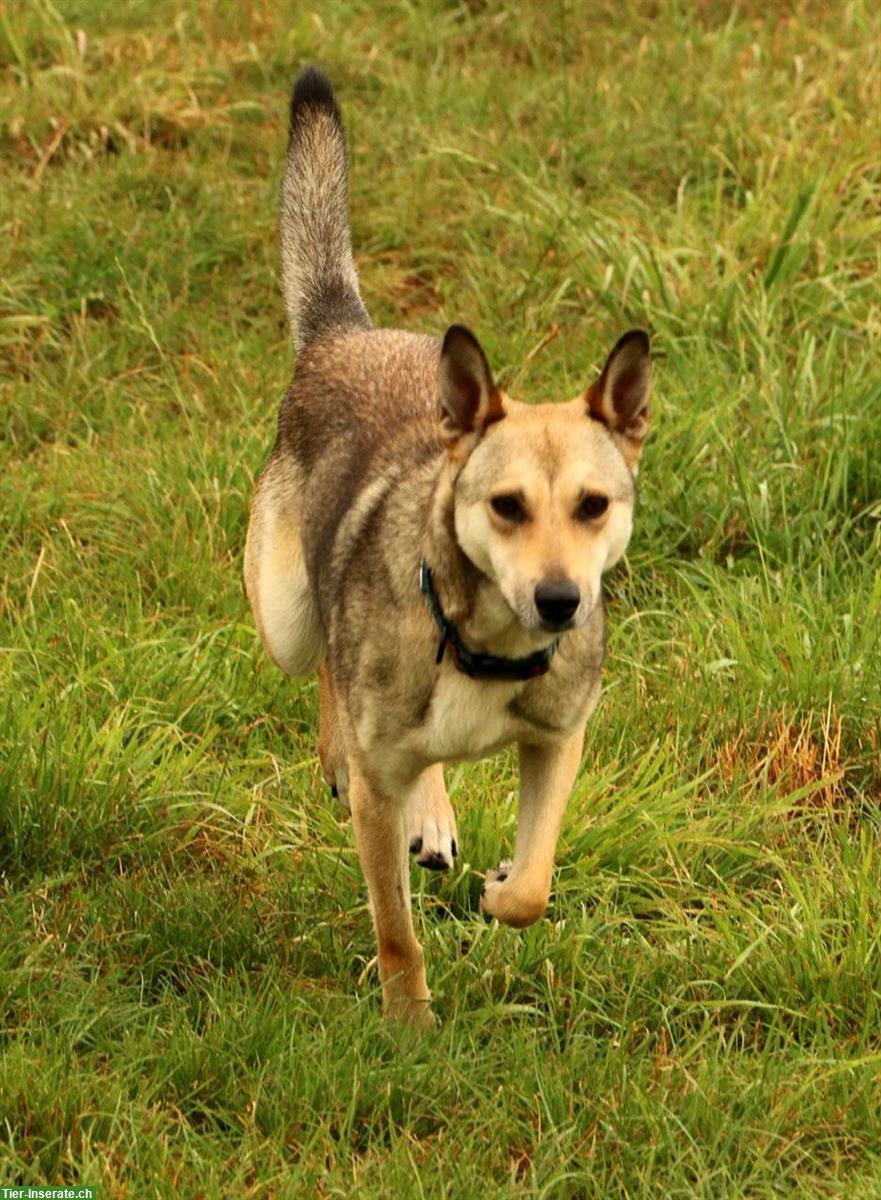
<point>544,493</point>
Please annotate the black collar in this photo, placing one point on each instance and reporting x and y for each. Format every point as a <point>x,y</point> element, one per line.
<point>480,666</point>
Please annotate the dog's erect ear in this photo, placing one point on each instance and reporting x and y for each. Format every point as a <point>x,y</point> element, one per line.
<point>469,399</point>
<point>620,397</point>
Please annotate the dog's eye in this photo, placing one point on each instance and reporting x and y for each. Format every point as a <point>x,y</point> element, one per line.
<point>509,508</point>
<point>591,507</point>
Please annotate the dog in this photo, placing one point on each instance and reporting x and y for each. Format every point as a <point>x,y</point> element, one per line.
<point>434,549</point>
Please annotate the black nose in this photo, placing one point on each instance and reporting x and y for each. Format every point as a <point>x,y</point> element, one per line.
<point>557,601</point>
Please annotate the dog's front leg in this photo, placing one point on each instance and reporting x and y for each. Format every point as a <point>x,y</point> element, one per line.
<point>381,837</point>
<point>517,894</point>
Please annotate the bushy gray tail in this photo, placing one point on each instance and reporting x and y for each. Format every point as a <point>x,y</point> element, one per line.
<point>318,273</point>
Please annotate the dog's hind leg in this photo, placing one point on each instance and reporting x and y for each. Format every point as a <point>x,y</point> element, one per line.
<point>517,893</point>
<point>381,837</point>
<point>431,822</point>
<point>331,747</point>
<point>276,579</point>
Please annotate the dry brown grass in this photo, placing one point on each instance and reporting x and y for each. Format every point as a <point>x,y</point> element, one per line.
<point>796,755</point>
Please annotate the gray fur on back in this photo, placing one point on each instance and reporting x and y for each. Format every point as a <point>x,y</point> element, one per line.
<point>319,281</point>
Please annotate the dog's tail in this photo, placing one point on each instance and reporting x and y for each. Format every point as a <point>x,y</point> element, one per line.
<point>318,272</point>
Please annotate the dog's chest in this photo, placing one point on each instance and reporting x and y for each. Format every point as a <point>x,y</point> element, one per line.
<point>468,718</point>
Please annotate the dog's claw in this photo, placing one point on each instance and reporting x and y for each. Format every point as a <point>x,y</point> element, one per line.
<point>494,875</point>
<point>431,828</point>
<point>434,862</point>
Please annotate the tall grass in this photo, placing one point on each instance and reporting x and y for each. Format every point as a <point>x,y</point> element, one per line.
<point>189,1003</point>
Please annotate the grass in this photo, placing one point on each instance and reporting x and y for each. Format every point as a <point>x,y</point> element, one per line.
<point>189,1004</point>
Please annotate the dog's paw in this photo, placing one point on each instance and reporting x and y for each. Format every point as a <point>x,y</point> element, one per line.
<point>439,858</point>
<point>509,903</point>
<point>431,832</point>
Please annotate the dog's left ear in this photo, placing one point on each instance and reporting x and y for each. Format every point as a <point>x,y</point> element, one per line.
<point>620,397</point>
<point>469,399</point>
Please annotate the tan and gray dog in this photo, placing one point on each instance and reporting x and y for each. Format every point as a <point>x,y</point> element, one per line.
<point>435,550</point>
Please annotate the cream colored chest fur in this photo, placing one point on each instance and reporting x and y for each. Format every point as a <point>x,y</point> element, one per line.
<point>468,718</point>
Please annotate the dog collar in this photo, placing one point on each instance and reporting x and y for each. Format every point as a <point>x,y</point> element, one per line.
<point>480,666</point>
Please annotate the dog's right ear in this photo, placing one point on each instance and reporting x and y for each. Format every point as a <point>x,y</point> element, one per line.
<point>469,399</point>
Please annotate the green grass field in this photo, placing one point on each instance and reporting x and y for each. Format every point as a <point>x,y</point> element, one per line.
<point>188,997</point>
